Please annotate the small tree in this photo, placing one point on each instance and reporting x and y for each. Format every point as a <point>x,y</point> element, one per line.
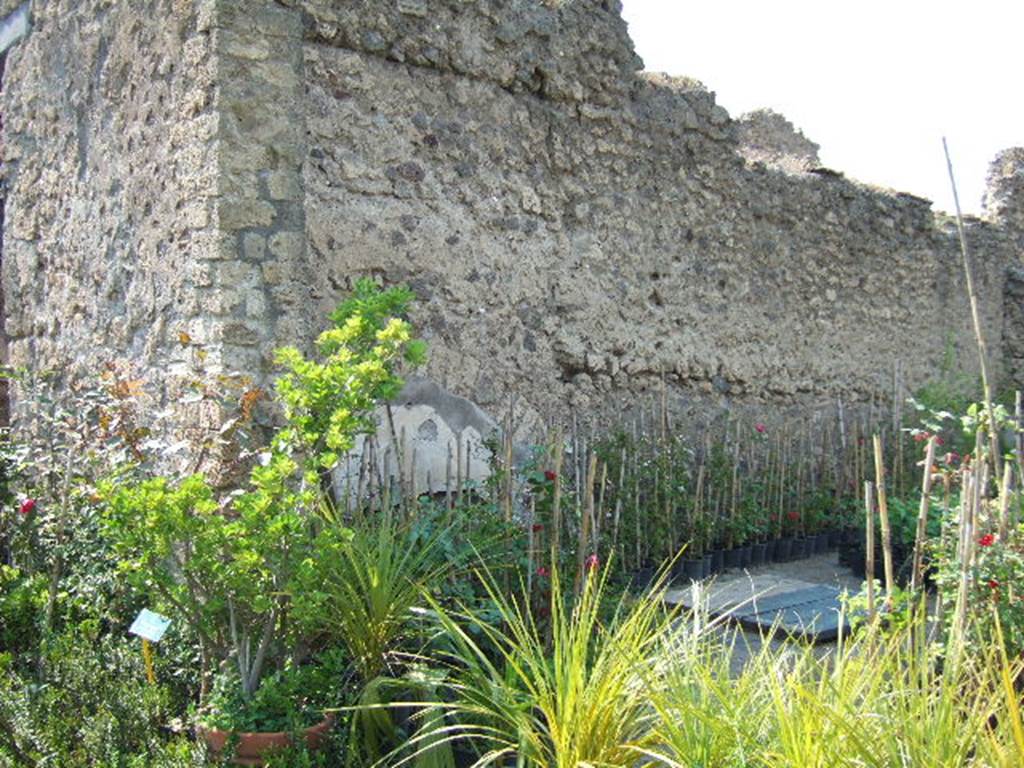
<point>229,566</point>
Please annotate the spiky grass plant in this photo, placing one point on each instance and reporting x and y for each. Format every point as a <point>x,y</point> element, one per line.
<point>576,693</point>
<point>875,701</point>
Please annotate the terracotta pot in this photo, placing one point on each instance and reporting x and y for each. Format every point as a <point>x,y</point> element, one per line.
<point>252,745</point>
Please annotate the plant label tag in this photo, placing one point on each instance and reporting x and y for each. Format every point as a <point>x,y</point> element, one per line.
<point>149,625</point>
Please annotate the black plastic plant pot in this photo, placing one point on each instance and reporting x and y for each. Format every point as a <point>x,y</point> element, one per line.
<point>693,569</point>
<point>733,558</point>
<point>783,550</point>
<point>769,551</point>
<point>745,554</point>
<point>717,561</point>
<point>835,538</point>
<point>758,554</point>
<point>821,543</point>
<point>708,562</point>
<point>641,579</point>
<point>844,555</point>
<point>798,550</point>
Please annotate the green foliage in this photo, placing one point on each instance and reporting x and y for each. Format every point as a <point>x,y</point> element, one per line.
<point>328,402</point>
<point>234,568</point>
<point>879,699</point>
<point>94,708</point>
<point>581,699</point>
<point>360,588</point>
<point>292,698</point>
<point>22,598</point>
<point>997,587</point>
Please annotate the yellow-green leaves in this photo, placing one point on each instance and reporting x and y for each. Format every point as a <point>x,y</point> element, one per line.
<point>329,401</point>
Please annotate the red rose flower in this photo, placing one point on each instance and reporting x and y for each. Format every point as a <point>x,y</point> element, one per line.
<point>28,506</point>
<point>939,440</point>
<point>550,475</point>
<point>592,563</point>
<point>536,527</point>
<point>760,428</point>
<point>543,572</point>
<point>793,516</point>
<point>993,584</point>
<point>987,540</point>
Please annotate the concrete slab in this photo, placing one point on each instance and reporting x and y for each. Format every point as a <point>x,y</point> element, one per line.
<point>759,600</point>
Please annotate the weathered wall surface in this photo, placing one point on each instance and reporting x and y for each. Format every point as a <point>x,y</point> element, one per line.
<point>569,246</point>
<point>575,229</point>
<point>108,131</point>
<point>1004,203</point>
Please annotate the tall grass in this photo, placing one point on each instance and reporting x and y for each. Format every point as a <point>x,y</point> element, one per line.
<point>633,684</point>
<point>574,693</point>
<point>879,700</point>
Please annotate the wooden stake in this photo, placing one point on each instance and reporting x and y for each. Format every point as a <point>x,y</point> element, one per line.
<point>458,470</point>
<point>979,336</point>
<point>883,514</point>
<point>869,546</point>
<point>556,504</point>
<point>619,490</point>
<point>1020,459</point>
<point>916,576</point>
<point>583,549</point>
<point>147,656</point>
<point>1004,503</point>
<point>448,479</point>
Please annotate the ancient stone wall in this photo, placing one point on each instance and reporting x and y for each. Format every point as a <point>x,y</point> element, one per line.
<point>576,230</point>
<point>108,129</point>
<point>570,245</point>
<point>1004,203</point>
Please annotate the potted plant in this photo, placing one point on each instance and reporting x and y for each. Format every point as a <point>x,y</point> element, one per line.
<point>286,709</point>
<point>229,563</point>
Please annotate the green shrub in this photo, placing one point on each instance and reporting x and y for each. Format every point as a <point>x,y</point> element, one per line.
<point>93,707</point>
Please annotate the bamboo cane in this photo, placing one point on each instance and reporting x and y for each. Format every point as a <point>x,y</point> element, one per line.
<point>583,545</point>
<point>530,545</point>
<point>458,470</point>
<point>883,514</point>
<point>922,517</point>
<point>385,496</point>
<point>469,475</point>
<point>556,501</point>
<point>869,547</point>
<point>979,336</point>
<point>1004,502</point>
<point>1019,442</point>
<point>509,473</point>
<point>448,479</point>
<point>619,490</point>
<point>599,509</point>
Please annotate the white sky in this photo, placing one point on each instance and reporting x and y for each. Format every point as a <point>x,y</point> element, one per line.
<point>876,84</point>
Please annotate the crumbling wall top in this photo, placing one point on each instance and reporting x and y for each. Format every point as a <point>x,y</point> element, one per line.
<point>1004,189</point>
<point>556,49</point>
<point>767,137</point>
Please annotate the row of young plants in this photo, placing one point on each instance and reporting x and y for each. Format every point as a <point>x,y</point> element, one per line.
<point>743,494</point>
<point>384,630</point>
